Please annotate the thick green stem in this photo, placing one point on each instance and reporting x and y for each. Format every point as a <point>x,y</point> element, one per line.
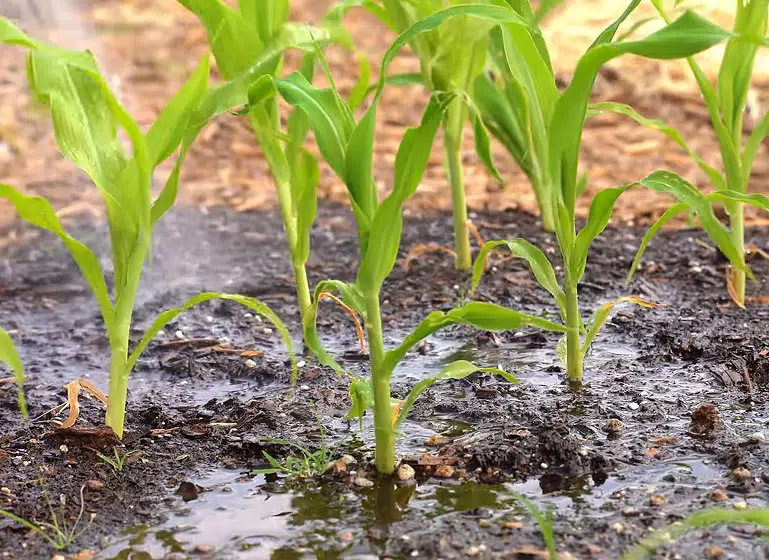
<point>304,300</point>
<point>543,192</point>
<point>737,226</point>
<point>573,322</point>
<point>380,378</point>
<point>452,144</point>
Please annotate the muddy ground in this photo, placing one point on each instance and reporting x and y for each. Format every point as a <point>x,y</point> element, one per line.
<point>194,410</point>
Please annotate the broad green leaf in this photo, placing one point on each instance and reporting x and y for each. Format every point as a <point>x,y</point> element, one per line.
<point>332,125</point>
<point>601,209</point>
<point>668,182</point>
<point>492,317</point>
<point>10,356</point>
<point>686,36</point>
<point>38,211</point>
<point>655,124</point>
<point>456,370</point>
<point>167,131</point>
<point>758,200</point>
<point>670,213</point>
<point>359,174</point>
<point>410,163</point>
<point>601,315</point>
<point>537,260</point>
<point>10,34</point>
<point>251,303</point>
<point>235,42</point>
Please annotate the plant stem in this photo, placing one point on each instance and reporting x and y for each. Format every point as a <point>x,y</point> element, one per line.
<point>573,351</point>
<point>380,379</point>
<point>304,300</point>
<point>452,144</point>
<point>737,226</point>
<point>118,376</point>
<point>543,190</point>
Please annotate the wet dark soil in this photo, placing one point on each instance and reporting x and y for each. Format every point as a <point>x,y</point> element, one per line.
<point>670,421</point>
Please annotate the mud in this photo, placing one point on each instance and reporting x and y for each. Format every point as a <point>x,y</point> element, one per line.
<point>199,416</point>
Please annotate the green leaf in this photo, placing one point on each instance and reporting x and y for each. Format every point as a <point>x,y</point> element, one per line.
<point>305,177</point>
<point>359,174</point>
<point>601,209</point>
<point>362,397</point>
<point>38,212</point>
<point>167,131</point>
<point>234,41</point>
<point>493,317</point>
<point>686,36</point>
<point>251,303</point>
<point>670,213</point>
<point>655,124</point>
<point>331,123</point>
<point>482,142</point>
<point>456,370</point>
<point>410,163</point>
<point>361,87</point>
<point>10,356</point>
<point>537,260</point>
<point>668,182</point>
<point>601,315</point>
<point>268,16</point>
<point>760,201</point>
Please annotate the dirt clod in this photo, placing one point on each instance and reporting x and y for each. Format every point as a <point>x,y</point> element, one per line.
<point>657,500</point>
<point>444,471</point>
<point>741,474</point>
<point>362,482</point>
<point>405,472</point>
<point>614,425</point>
<point>714,552</point>
<point>719,495</point>
<point>705,419</point>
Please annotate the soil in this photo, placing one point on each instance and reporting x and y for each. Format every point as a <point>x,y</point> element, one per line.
<point>687,382</point>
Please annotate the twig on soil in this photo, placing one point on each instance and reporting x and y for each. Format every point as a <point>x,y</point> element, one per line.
<point>196,342</point>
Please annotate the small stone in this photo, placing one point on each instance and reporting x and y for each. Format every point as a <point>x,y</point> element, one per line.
<point>513,525</point>
<point>348,460</point>
<point>345,536</point>
<point>301,364</point>
<point>757,437</point>
<point>657,500</point>
<point>189,491</point>
<point>618,527</point>
<point>94,484</point>
<point>204,548</point>
<point>741,505</point>
<point>484,523</point>
<point>84,555</point>
<point>740,474</point>
<point>614,425</point>
<point>362,482</point>
<point>476,550</point>
<point>63,448</point>
<point>405,472</point>
<point>250,363</point>
<point>337,467</point>
<point>444,471</point>
<point>714,552</point>
<point>719,495</point>
<point>267,330</point>
<point>633,406</point>
<point>58,557</point>
<point>179,335</point>
<point>435,440</point>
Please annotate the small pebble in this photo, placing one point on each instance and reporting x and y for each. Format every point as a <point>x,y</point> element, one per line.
<point>250,363</point>
<point>361,482</point>
<point>714,552</point>
<point>757,437</point>
<point>513,525</point>
<point>476,550</point>
<point>267,330</point>
<point>634,406</point>
<point>740,474</point>
<point>94,484</point>
<point>179,335</point>
<point>741,505</point>
<point>58,557</point>
<point>657,500</point>
<point>618,527</point>
<point>301,364</point>
<point>348,460</point>
<point>435,440</point>
<point>719,495</point>
<point>63,448</point>
<point>204,548</point>
<point>405,472</point>
<point>484,523</point>
<point>614,425</point>
<point>345,536</point>
<point>444,471</point>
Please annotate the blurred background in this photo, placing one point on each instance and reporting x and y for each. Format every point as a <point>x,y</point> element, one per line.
<point>148,47</point>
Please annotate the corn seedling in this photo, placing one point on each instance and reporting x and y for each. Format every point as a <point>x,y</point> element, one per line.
<point>10,357</point>
<point>118,460</point>
<point>699,520</point>
<point>451,56</point>
<point>347,146</point>
<point>726,102</point>
<point>87,118</point>
<point>250,41</point>
<point>525,59</point>
<point>58,533</point>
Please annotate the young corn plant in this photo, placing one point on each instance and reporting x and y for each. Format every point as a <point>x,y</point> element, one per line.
<point>250,41</point>
<point>87,119</point>
<point>726,101</point>
<point>10,357</point>
<point>348,147</point>
<point>451,56</point>
<point>523,57</point>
